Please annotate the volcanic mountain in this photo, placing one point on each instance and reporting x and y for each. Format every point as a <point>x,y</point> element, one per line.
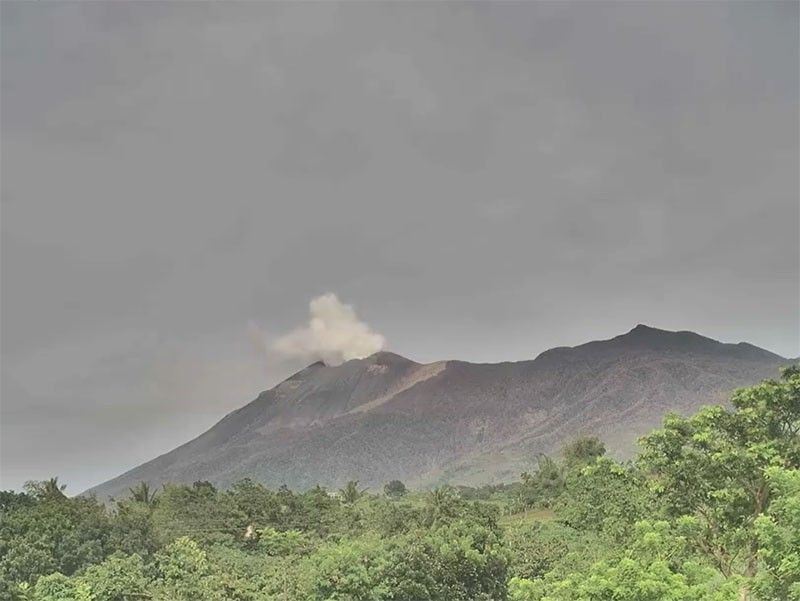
<point>386,417</point>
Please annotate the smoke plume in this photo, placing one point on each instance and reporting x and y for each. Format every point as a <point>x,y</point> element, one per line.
<point>334,334</point>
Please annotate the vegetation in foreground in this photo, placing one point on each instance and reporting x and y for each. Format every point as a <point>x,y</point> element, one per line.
<point>709,511</point>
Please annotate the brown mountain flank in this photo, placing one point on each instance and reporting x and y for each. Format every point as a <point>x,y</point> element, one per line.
<point>386,417</point>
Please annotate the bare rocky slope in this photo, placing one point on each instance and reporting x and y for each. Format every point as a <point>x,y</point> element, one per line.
<point>386,417</point>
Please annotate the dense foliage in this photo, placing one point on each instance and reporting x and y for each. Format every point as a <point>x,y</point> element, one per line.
<point>709,511</point>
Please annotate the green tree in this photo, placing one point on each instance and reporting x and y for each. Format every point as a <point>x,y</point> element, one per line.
<point>141,493</point>
<point>442,505</point>
<point>10,500</point>
<point>133,529</point>
<point>198,511</point>
<point>320,512</point>
<point>778,533</point>
<point>254,500</point>
<point>459,561</point>
<point>46,490</point>
<point>582,451</point>
<point>351,570</point>
<point>58,587</point>
<point>351,493</point>
<point>54,534</point>
<point>276,543</point>
<point>185,574</point>
<point>119,578</point>
<point>391,518</point>
<point>540,488</point>
<point>654,567</point>
<point>541,548</point>
<point>395,489</point>
<point>605,497</point>
<point>713,466</point>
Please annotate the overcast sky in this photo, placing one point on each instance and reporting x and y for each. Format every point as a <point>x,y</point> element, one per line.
<point>479,180</point>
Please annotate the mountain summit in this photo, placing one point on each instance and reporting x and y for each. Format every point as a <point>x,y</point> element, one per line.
<point>386,417</point>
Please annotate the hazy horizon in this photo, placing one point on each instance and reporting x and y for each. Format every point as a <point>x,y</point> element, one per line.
<point>481,181</point>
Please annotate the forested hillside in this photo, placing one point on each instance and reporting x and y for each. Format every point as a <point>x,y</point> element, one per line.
<point>708,511</point>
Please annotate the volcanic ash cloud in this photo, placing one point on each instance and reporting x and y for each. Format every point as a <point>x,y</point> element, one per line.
<point>334,334</point>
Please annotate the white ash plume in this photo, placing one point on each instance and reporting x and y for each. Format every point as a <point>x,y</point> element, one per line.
<point>334,334</point>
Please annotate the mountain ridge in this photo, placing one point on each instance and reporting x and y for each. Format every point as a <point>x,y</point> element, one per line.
<point>385,416</point>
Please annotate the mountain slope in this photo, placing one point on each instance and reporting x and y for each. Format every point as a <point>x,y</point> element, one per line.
<point>386,417</point>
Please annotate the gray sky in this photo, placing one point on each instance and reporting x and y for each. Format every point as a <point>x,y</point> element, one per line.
<point>480,180</point>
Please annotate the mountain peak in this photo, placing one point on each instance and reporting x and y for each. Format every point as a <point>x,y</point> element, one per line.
<point>386,358</point>
<point>645,332</point>
<point>647,338</point>
<point>377,358</point>
<point>687,341</point>
<point>642,328</point>
<point>644,335</point>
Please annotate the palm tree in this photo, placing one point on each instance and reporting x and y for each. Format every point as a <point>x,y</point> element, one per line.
<point>350,493</point>
<point>544,485</point>
<point>141,493</point>
<point>50,489</point>
<point>441,504</point>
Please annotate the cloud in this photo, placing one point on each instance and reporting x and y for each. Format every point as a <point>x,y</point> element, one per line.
<point>334,334</point>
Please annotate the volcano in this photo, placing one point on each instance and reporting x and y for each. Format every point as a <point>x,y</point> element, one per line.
<point>387,417</point>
